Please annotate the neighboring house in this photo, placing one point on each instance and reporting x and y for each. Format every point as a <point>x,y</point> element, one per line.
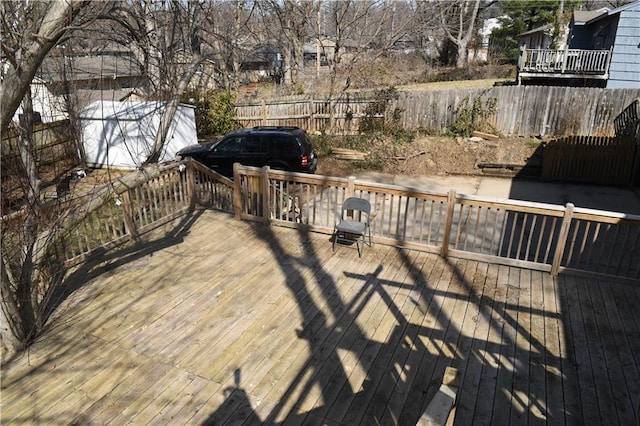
<point>537,38</point>
<point>324,45</point>
<point>207,76</point>
<point>262,63</point>
<point>480,51</point>
<point>81,79</point>
<point>603,49</point>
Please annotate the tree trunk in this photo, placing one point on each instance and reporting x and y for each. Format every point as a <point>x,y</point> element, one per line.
<point>19,309</point>
<point>170,111</point>
<point>461,59</point>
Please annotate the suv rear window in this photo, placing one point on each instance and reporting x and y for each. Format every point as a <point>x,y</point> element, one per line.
<point>306,143</point>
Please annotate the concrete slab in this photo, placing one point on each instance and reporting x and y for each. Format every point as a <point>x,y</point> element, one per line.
<point>623,200</point>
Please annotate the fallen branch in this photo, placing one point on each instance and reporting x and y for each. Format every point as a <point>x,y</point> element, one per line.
<point>410,156</point>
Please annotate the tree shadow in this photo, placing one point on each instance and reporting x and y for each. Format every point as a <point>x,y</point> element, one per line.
<point>103,261</point>
<point>401,367</point>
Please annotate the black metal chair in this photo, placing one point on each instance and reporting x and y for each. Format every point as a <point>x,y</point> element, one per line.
<point>354,223</point>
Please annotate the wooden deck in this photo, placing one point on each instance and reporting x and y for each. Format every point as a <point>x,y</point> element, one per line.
<point>230,322</point>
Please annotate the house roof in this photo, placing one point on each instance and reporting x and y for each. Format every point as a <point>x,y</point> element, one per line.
<point>582,17</point>
<point>56,69</point>
<point>613,11</point>
<point>536,30</point>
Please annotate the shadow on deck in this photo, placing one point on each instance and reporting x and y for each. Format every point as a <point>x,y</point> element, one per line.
<point>243,323</point>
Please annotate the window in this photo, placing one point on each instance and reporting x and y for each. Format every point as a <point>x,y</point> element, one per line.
<point>254,145</point>
<point>229,145</point>
<point>283,145</point>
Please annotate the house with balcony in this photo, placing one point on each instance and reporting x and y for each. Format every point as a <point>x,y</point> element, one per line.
<point>602,49</point>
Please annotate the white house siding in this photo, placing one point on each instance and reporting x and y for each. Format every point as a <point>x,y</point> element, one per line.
<point>49,107</point>
<point>624,71</point>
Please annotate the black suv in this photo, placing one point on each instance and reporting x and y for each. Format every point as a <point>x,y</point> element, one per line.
<point>282,148</point>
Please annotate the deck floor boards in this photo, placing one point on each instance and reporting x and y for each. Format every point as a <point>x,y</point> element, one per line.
<point>219,321</point>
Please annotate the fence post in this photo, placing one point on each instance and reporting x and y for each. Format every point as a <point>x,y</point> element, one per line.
<point>237,191</point>
<point>191,185</point>
<point>129,224</point>
<point>264,188</point>
<point>264,113</point>
<point>451,204</point>
<point>351,186</point>
<point>562,238</point>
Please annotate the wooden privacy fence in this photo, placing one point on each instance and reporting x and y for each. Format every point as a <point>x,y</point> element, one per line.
<point>55,147</point>
<point>531,235</point>
<point>590,159</point>
<point>520,110</point>
<point>604,160</point>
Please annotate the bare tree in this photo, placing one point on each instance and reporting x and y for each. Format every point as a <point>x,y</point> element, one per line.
<point>458,20</point>
<point>29,31</point>
<point>290,23</point>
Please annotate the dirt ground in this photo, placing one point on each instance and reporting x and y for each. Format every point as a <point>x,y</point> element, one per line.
<point>433,156</point>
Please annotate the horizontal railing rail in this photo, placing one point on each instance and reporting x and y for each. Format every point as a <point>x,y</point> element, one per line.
<point>538,236</point>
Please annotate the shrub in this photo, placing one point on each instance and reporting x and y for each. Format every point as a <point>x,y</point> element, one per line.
<point>473,115</point>
<point>215,112</point>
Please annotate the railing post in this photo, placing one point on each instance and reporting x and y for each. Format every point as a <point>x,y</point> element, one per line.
<point>237,191</point>
<point>562,239</point>
<point>264,188</point>
<point>451,204</point>
<point>191,185</point>
<point>129,224</point>
<point>351,186</point>
<point>608,62</point>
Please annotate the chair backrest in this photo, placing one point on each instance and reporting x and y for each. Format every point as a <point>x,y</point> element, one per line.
<point>356,204</point>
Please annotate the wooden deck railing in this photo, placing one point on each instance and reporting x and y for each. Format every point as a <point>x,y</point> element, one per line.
<point>532,235</point>
<point>567,61</point>
<point>129,214</point>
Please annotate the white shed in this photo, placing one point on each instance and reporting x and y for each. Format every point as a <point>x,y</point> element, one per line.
<point>121,134</point>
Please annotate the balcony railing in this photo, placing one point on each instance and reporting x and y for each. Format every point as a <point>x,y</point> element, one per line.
<point>564,63</point>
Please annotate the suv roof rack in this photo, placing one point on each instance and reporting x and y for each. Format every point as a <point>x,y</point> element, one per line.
<point>276,128</point>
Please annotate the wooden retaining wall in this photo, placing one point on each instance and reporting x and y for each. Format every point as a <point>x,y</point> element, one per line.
<point>520,110</point>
